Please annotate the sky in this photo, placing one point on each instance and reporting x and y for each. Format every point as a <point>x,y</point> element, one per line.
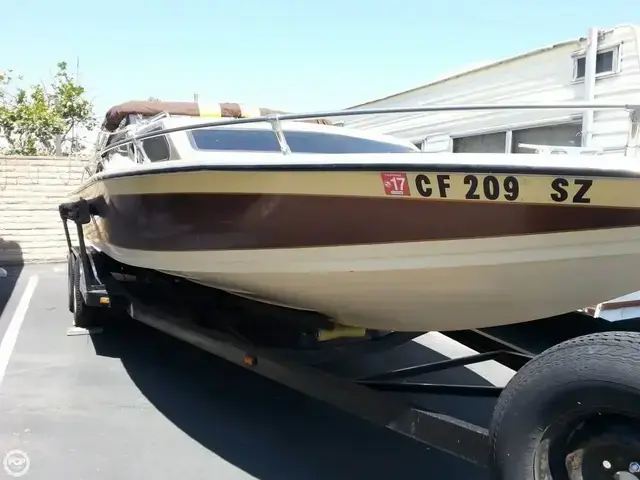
<point>297,55</point>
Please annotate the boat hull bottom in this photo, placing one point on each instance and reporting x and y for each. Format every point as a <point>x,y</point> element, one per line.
<point>422,286</point>
<point>394,301</point>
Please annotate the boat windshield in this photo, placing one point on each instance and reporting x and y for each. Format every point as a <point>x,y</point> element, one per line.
<point>254,140</point>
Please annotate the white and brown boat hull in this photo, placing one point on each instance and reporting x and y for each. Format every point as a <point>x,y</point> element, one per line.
<point>417,253</point>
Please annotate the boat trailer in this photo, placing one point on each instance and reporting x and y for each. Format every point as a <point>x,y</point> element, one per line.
<point>102,290</point>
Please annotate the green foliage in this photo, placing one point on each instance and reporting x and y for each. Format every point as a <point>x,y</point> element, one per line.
<point>31,118</point>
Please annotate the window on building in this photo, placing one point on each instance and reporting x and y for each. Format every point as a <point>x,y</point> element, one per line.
<point>488,143</point>
<point>562,135</point>
<point>606,62</point>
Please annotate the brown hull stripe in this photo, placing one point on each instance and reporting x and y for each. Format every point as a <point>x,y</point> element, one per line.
<point>188,222</point>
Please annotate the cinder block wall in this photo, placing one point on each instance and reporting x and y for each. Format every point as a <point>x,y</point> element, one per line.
<point>30,190</point>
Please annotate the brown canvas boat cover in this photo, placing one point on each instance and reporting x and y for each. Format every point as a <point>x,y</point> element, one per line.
<point>116,114</point>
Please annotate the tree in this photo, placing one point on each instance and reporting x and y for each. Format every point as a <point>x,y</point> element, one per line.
<point>32,118</point>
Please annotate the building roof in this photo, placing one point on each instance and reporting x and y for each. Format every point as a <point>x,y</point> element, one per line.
<point>474,68</point>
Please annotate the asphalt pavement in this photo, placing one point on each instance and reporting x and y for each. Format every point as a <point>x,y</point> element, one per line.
<point>132,403</point>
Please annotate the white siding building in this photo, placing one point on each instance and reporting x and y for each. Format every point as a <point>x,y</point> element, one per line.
<point>557,73</point>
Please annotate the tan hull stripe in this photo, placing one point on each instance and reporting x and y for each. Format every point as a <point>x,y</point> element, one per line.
<point>188,222</point>
<point>552,190</point>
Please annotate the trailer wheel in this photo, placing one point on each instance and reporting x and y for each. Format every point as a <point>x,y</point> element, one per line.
<point>84,316</point>
<point>572,413</point>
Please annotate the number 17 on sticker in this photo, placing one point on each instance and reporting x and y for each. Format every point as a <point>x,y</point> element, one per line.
<point>395,184</point>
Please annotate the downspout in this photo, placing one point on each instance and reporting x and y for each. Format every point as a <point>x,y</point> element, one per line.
<point>589,85</point>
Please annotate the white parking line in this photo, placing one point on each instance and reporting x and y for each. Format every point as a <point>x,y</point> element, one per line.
<point>11,334</point>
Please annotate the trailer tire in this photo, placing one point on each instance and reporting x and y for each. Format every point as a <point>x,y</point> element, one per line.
<point>84,316</point>
<point>571,412</point>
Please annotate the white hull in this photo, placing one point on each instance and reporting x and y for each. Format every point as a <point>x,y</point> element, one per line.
<point>423,286</point>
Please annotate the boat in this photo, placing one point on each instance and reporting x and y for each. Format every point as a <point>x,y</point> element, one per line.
<point>363,228</point>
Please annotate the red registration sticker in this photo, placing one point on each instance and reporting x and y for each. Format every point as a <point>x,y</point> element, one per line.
<point>395,184</point>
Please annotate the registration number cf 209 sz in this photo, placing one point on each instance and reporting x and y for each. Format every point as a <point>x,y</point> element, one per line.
<point>507,188</point>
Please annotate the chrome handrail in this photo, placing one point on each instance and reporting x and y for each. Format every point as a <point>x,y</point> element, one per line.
<point>275,119</point>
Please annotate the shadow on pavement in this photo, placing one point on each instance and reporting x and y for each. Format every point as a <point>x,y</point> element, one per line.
<point>270,431</point>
